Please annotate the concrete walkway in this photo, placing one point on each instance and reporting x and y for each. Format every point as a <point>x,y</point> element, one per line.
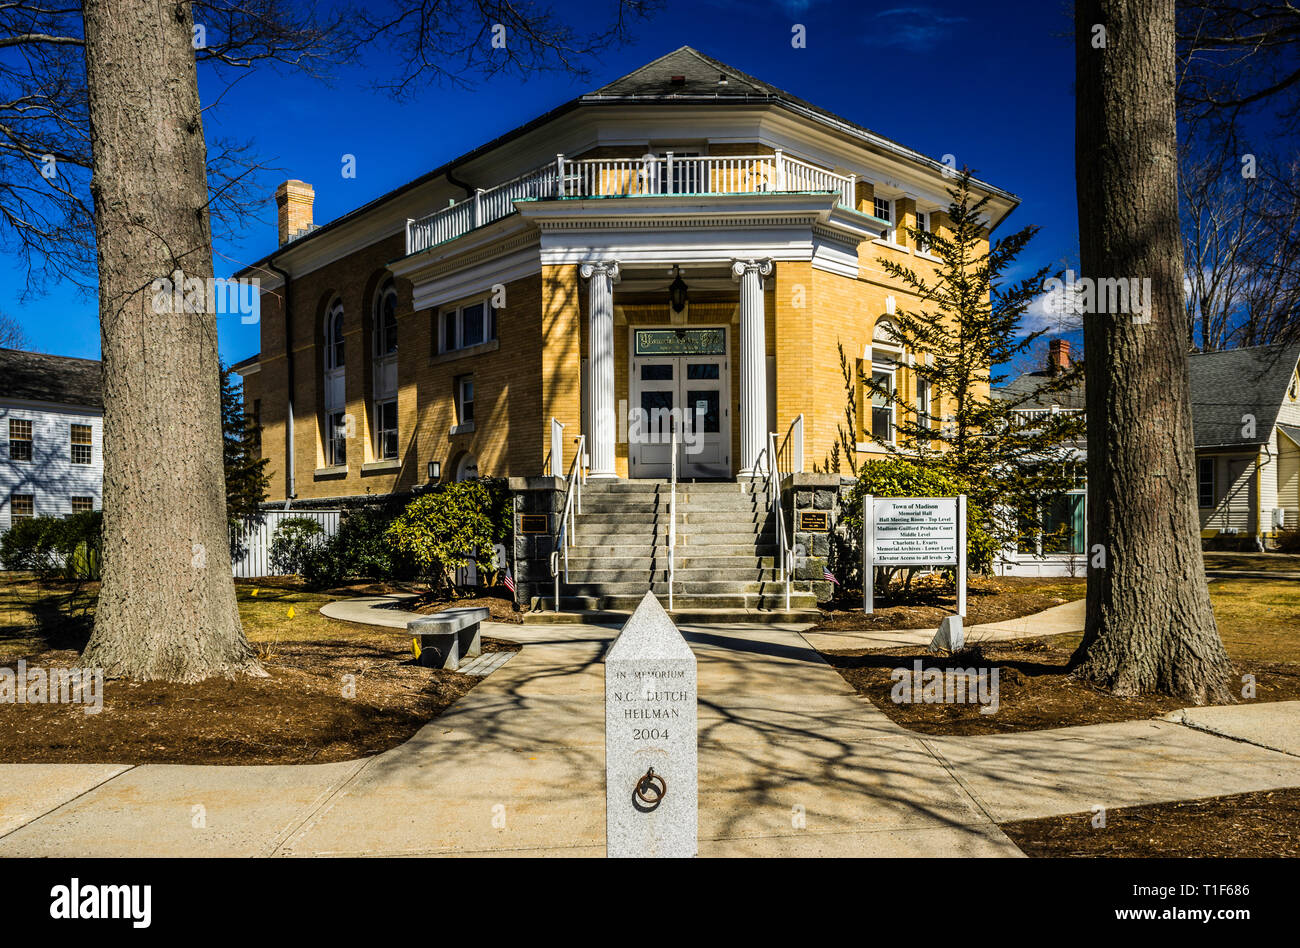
<point>792,763</point>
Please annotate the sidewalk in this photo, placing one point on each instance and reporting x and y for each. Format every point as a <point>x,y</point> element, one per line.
<point>792,763</point>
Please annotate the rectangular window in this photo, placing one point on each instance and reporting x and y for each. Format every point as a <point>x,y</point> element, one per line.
<point>882,409</point>
<point>449,331</point>
<point>81,446</point>
<point>884,209</point>
<point>465,400</point>
<point>1205,492</point>
<point>83,504</point>
<point>923,403</point>
<point>1063,527</point>
<point>472,330</point>
<point>22,506</point>
<point>20,440</point>
<point>386,424</point>
<point>338,439</point>
<point>470,325</point>
<point>923,224</point>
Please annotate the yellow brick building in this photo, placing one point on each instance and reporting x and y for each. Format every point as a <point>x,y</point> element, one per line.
<point>687,246</point>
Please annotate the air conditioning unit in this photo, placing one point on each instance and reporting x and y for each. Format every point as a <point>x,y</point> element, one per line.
<point>1279,518</point>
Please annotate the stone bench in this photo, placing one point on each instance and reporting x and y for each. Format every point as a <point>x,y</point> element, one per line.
<point>444,638</point>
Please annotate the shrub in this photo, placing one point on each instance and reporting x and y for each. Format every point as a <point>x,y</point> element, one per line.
<point>452,526</point>
<point>296,539</point>
<point>53,547</point>
<point>899,477</point>
<point>1288,541</point>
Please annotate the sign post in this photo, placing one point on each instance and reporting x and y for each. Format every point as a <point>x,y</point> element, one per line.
<point>913,531</point>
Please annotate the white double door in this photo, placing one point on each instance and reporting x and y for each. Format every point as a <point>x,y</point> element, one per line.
<point>688,393</point>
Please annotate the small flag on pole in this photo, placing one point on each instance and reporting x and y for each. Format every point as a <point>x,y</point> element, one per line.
<point>509,581</point>
<point>826,572</point>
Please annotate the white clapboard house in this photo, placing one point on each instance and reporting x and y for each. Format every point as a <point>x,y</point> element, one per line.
<point>51,457</point>
<point>1246,422</point>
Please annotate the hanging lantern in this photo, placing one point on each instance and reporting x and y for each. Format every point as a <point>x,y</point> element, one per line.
<point>677,291</point>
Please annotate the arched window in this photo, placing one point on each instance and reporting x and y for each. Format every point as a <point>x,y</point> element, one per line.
<point>385,371</point>
<point>386,320</point>
<point>335,419</point>
<point>334,336</point>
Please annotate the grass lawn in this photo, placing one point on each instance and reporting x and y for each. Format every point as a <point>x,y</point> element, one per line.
<point>335,691</point>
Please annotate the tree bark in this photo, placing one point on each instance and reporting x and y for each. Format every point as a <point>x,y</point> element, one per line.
<point>1150,627</point>
<point>167,606</point>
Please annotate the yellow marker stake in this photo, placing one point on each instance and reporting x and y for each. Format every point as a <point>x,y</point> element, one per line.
<point>254,592</point>
<point>291,612</point>
<point>415,645</point>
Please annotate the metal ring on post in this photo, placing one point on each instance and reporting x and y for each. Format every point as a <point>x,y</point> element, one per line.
<point>651,789</point>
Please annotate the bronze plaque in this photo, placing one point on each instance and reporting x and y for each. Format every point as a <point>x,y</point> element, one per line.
<point>532,523</point>
<point>814,521</point>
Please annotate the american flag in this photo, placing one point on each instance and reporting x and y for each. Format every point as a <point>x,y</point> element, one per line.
<point>509,580</point>
<point>826,572</point>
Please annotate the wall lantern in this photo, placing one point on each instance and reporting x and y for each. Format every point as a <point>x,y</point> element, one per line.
<point>677,291</point>
<point>435,470</point>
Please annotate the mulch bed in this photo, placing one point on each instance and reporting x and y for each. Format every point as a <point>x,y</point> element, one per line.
<point>299,714</point>
<point>988,599</point>
<point>501,609</point>
<point>1034,689</point>
<point>1261,824</point>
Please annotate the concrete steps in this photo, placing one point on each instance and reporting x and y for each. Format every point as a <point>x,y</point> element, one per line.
<point>725,567</point>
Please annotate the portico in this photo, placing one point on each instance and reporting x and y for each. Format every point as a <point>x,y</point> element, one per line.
<point>678,329</point>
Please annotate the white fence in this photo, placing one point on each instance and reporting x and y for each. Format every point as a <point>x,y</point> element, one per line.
<point>255,560</point>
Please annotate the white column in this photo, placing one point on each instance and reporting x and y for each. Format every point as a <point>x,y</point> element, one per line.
<point>753,364</point>
<point>600,349</point>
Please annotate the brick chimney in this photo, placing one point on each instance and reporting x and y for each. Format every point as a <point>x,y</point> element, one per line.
<point>1058,355</point>
<point>294,200</point>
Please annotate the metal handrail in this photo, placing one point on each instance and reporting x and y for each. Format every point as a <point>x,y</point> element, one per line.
<point>563,537</point>
<point>793,440</point>
<point>672,520</point>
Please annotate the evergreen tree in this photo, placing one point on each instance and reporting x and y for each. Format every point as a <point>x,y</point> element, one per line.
<point>246,477</point>
<point>967,318</point>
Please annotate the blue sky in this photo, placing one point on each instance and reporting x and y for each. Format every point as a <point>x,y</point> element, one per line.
<point>991,86</point>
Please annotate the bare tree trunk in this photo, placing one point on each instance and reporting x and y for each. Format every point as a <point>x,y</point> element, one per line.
<point>1150,627</point>
<point>167,604</point>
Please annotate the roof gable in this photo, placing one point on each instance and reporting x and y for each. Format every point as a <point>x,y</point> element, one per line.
<point>1234,383</point>
<point>37,377</point>
<point>699,75</point>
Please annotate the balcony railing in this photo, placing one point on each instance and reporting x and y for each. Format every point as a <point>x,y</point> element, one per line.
<point>629,177</point>
<point>1028,415</point>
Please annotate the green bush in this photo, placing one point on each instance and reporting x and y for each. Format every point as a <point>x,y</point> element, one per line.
<point>55,547</point>
<point>899,477</point>
<point>452,526</point>
<point>294,543</point>
<point>359,549</point>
